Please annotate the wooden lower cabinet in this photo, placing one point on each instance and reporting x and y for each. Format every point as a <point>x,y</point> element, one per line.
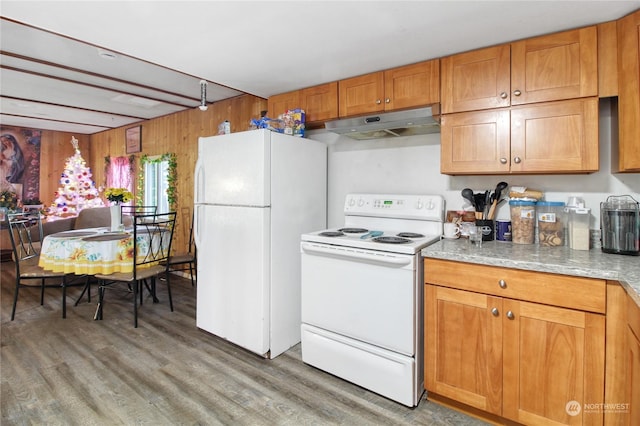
<point>530,363</point>
<point>633,363</point>
<point>553,364</point>
<point>463,347</point>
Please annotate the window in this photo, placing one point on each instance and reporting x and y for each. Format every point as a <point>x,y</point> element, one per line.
<point>157,179</point>
<point>156,183</point>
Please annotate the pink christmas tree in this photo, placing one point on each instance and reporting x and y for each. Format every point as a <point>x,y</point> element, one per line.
<point>78,190</point>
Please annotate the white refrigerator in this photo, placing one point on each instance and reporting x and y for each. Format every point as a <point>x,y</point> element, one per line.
<point>255,193</point>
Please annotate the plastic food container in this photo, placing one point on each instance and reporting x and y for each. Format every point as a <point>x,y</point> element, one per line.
<point>551,220</point>
<point>579,234</point>
<point>523,221</point>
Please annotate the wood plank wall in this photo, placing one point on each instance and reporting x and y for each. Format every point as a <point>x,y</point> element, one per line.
<point>176,133</point>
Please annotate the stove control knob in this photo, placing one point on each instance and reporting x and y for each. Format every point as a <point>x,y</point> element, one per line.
<point>352,202</point>
<point>360,202</point>
<point>419,205</point>
<point>430,205</point>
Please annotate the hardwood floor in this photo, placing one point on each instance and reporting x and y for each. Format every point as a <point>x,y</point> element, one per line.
<point>78,371</point>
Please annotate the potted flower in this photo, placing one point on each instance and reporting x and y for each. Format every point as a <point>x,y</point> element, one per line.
<point>117,196</point>
<point>8,199</point>
<point>8,203</point>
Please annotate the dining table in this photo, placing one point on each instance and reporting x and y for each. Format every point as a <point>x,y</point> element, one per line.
<point>89,251</point>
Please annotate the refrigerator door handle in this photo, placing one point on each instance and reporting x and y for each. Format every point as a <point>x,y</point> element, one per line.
<point>198,193</point>
<point>198,196</point>
<point>196,225</point>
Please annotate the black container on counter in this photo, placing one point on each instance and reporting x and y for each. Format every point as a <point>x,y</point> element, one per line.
<point>487,234</point>
<point>620,225</point>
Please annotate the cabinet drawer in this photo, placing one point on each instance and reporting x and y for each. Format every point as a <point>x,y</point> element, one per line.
<point>585,294</point>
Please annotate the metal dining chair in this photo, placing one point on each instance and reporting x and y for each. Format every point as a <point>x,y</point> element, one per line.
<point>186,261</point>
<point>152,238</point>
<point>25,233</point>
<point>130,211</point>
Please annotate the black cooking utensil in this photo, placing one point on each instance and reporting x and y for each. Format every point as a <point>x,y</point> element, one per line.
<point>487,204</point>
<point>467,194</point>
<point>479,199</point>
<point>501,186</point>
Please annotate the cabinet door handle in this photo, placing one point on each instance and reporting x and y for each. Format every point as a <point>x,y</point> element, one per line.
<point>502,284</point>
<point>387,100</point>
<point>378,101</point>
<point>517,92</point>
<point>504,95</point>
<point>510,315</point>
<point>503,160</point>
<point>517,160</point>
<point>495,312</point>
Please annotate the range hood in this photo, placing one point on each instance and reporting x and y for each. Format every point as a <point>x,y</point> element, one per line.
<point>390,124</point>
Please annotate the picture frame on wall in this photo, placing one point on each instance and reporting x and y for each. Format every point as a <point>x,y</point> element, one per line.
<point>133,137</point>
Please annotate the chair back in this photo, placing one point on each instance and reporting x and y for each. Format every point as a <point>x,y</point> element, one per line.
<point>187,217</point>
<point>137,210</point>
<point>152,239</point>
<point>25,233</point>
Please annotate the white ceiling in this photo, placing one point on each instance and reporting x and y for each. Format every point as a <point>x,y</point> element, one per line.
<point>53,78</point>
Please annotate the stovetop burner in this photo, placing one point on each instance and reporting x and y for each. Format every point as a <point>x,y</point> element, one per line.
<point>391,240</point>
<point>353,230</point>
<point>410,235</point>
<point>331,234</point>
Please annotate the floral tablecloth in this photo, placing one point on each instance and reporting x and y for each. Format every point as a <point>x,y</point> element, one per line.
<point>88,251</point>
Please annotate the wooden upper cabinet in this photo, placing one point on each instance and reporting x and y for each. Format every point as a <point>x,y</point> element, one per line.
<point>549,137</point>
<point>555,137</point>
<point>475,142</point>
<point>607,59</point>
<point>547,68</point>
<point>629,93</point>
<point>361,95</point>
<point>556,66</point>
<point>279,104</point>
<point>412,85</point>
<point>476,80</point>
<point>546,86</point>
<point>398,88</point>
<point>320,103</point>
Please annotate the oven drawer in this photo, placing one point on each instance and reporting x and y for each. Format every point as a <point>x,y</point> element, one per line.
<point>384,372</point>
<point>361,294</point>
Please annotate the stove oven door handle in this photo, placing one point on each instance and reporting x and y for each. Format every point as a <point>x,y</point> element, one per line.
<point>350,253</point>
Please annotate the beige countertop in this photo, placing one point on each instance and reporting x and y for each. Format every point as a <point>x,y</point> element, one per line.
<point>532,257</point>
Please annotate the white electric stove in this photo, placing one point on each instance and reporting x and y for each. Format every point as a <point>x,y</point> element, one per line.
<point>362,287</point>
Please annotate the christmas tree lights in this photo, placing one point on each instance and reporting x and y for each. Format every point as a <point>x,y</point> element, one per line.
<point>77,190</point>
